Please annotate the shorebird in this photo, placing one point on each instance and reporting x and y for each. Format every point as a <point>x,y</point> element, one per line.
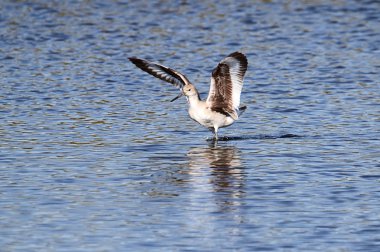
<point>221,108</point>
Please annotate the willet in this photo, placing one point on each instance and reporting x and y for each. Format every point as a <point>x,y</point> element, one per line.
<point>221,108</point>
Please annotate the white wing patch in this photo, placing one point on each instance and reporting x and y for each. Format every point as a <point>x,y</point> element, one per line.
<point>237,71</point>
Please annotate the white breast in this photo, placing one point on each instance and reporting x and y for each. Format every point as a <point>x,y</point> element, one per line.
<point>208,118</point>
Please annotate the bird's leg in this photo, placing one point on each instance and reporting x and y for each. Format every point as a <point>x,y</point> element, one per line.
<point>216,134</point>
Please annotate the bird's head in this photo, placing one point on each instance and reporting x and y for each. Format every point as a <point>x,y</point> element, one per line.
<point>187,90</point>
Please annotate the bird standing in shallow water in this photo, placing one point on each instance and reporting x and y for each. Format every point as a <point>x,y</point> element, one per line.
<point>221,108</point>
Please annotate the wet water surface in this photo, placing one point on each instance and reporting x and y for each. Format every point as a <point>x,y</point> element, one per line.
<point>94,157</point>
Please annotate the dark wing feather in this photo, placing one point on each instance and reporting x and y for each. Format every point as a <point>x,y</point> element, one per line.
<point>161,72</point>
<point>221,101</point>
<point>226,84</point>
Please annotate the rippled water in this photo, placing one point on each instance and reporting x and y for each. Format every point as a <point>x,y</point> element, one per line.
<point>94,157</point>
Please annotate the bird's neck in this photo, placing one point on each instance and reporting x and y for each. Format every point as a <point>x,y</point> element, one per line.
<point>194,99</point>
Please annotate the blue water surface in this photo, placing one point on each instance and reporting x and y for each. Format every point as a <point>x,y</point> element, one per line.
<point>94,157</point>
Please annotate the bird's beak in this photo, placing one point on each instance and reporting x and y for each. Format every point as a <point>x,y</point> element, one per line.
<point>178,96</point>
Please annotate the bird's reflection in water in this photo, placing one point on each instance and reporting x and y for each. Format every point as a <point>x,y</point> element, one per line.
<point>222,167</point>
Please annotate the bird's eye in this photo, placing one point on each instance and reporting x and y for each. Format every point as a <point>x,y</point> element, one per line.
<point>189,89</point>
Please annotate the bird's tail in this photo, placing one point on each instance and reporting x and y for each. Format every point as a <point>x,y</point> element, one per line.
<point>241,110</point>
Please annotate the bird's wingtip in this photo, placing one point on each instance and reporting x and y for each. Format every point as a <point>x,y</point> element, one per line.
<point>138,62</point>
<point>236,53</point>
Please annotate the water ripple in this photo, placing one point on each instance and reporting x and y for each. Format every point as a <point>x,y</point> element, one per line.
<point>94,157</point>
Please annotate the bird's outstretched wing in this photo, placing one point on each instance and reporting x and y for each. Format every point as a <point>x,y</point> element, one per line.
<point>226,84</point>
<point>161,72</point>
